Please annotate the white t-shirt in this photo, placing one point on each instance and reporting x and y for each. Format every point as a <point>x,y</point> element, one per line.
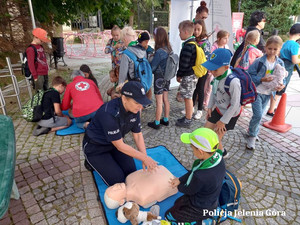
<point>270,69</point>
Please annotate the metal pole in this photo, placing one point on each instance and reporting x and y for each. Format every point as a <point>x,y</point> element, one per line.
<point>14,81</point>
<point>151,18</point>
<point>192,8</point>
<point>32,15</point>
<point>138,14</point>
<point>2,103</point>
<point>239,5</point>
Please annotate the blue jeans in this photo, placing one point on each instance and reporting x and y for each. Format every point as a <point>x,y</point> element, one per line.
<point>80,121</point>
<point>258,108</point>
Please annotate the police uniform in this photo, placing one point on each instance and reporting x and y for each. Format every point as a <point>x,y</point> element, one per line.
<point>111,122</point>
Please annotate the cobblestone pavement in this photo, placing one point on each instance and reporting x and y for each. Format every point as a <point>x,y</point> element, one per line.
<point>55,187</point>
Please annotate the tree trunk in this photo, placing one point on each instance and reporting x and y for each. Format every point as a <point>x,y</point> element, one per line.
<point>131,18</point>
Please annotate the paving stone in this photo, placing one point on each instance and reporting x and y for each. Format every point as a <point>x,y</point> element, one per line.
<point>19,216</point>
<point>43,222</point>
<point>47,206</point>
<point>5,221</point>
<point>33,209</point>
<point>23,222</point>
<point>37,217</point>
<point>71,220</point>
<point>85,222</point>
<point>94,212</point>
<point>51,213</point>
<point>50,198</point>
<point>72,211</point>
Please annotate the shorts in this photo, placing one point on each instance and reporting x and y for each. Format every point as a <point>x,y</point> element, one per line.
<point>187,86</point>
<point>59,122</point>
<point>216,116</point>
<point>160,84</point>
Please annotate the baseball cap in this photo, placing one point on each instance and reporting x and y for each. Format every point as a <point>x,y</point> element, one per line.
<point>40,34</point>
<point>143,37</point>
<point>295,29</point>
<point>203,138</point>
<point>219,57</point>
<point>135,90</point>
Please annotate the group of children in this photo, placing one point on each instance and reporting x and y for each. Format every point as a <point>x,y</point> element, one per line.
<point>201,186</point>
<point>84,86</point>
<point>223,110</point>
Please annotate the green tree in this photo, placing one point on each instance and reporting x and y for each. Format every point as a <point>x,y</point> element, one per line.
<point>278,13</point>
<point>51,12</point>
<point>115,12</point>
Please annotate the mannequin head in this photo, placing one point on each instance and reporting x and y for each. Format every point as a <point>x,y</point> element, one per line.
<point>115,195</point>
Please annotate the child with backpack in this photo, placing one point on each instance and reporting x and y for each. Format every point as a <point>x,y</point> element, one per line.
<point>143,40</point>
<point>267,63</point>
<point>115,46</point>
<point>202,185</point>
<point>37,61</point>
<point>289,53</point>
<point>53,119</point>
<point>221,42</point>
<point>227,104</point>
<point>161,86</point>
<point>201,39</point>
<point>134,64</point>
<point>250,51</point>
<point>185,74</point>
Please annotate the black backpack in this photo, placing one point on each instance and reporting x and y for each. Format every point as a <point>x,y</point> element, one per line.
<point>25,68</point>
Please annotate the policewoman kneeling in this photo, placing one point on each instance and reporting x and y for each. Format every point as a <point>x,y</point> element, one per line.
<point>103,144</point>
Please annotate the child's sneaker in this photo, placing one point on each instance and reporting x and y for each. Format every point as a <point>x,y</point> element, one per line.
<point>164,122</point>
<point>183,122</point>
<point>198,115</point>
<point>183,111</point>
<point>251,143</point>
<point>153,125</point>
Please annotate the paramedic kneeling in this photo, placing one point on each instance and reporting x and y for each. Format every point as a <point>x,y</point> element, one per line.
<point>103,144</point>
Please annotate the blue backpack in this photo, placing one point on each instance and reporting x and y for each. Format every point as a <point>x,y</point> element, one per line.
<point>249,93</point>
<point>142,70</point>
<point>229,198</point>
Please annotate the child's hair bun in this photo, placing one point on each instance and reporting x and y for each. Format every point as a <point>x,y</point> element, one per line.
<point>203,3</point>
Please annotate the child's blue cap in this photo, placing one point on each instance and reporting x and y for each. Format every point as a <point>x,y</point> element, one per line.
<point>219,57</point>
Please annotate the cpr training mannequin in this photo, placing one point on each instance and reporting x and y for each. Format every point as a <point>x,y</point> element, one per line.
<point>142,187</point>
<point>131,211</point>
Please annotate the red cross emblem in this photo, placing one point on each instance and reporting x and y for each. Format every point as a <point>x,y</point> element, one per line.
<point>82,86</point>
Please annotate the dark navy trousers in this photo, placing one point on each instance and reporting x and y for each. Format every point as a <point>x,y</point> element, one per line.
<point>112,165</point>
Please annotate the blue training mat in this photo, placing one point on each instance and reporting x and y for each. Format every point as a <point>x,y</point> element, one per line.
<point>164,157</point>
<point>73,129</point>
